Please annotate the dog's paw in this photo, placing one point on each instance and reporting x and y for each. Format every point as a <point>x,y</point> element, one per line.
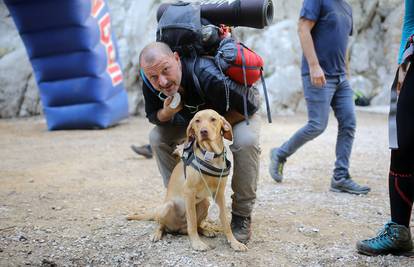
<point>156,236</point>
<point>237,246</point>
<point>200,246</point>
<point>207,232</point>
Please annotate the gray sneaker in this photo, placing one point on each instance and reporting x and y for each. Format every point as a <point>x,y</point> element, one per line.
<point>276,166</point>
<point>348,185</point>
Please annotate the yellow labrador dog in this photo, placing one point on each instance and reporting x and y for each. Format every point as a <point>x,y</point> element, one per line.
<point>192,182</point>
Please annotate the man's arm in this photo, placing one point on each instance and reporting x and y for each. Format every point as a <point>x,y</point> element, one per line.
<point>316,73</point>
<point>157,111</point>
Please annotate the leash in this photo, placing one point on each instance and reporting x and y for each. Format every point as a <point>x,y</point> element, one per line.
<point>221,176</point>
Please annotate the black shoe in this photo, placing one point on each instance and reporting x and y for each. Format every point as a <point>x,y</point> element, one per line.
<point>241,228</point>
<point>144,150</point>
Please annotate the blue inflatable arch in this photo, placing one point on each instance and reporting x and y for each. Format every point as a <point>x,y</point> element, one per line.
<point>74,58</point>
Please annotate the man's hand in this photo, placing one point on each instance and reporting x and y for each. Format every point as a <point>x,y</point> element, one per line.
<point>234,117</point>
<point>317,75</point>
<point>167,113</point>
<point>402,72</point>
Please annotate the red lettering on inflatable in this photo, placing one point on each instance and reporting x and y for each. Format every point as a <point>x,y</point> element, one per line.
<point>113,68</point>
<point>97,6</point>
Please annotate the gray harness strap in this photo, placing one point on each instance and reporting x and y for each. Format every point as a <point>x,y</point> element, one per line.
<point>190,159</point>
<point>210,170</point>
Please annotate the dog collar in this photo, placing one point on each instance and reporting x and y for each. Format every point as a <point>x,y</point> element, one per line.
<point>209,155</point>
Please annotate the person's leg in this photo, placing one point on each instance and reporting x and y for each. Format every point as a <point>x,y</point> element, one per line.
<point>246,158</point>
<point>318,105</point>
<point>401,180</point>
<point>401,186</point>
<point>395,238</point>
<point>163,140</point>
<point>343,107</point>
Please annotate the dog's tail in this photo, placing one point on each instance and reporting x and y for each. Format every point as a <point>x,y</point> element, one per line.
<point>160,212</point>
<point>150,216</point>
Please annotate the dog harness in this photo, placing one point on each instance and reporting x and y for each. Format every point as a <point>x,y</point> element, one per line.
<point>189,158</point>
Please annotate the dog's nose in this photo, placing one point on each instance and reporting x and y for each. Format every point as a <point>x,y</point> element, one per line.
<point>204,133</point>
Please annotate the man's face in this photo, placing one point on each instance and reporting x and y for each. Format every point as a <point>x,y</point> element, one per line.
<point>164,73</point>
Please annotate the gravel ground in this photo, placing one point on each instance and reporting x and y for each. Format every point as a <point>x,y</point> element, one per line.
<point>64,196</point>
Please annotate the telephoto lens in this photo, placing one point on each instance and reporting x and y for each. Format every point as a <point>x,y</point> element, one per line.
<point>248,13</point>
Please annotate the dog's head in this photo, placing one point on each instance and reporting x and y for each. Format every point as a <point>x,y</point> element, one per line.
<point>208,125</point>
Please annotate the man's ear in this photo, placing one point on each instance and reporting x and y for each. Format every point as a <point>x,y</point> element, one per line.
<point>176,56</point>
<point>190,131</point>
<point>227,130</point>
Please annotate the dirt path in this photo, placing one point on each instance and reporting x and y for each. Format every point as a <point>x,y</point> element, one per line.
<point>64,196</point>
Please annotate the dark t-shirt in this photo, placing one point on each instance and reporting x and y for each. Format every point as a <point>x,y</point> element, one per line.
<point>330,34</point>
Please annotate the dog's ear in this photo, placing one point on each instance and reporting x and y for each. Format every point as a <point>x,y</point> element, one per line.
<point>190,131</point>
<point>226,128</point>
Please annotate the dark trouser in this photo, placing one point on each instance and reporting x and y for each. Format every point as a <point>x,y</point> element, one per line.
<point>401,177</point>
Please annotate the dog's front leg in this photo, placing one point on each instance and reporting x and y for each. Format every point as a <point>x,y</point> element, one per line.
<point>158,233</point>
<point>236,245</point>
<point>190,207</point>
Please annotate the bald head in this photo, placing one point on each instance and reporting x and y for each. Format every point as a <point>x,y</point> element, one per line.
<point>151,52</point>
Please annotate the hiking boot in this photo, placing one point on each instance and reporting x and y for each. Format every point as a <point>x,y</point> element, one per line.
<point>276,166</point>
<point>392,239</point>
<point>241,228</point>
<point>348,185</point>
<point>144,150</point>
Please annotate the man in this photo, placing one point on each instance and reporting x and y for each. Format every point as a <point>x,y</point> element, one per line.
<point>324,27</point>
<point>166,74</point>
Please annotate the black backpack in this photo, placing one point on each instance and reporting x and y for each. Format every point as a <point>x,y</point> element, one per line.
<point>180,28</point>
<point>183,29</point>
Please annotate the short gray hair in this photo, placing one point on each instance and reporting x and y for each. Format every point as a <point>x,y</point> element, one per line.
<point>152,51</point>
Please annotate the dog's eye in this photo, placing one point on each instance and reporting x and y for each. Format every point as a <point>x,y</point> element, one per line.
<point>213,119</point>
<point>197,121</point>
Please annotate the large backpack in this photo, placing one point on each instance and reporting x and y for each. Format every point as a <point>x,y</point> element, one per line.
<point>187,33</point>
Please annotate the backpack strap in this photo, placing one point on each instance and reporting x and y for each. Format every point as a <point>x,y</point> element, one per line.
<point>408,51</point>
<point>246,116</point>
<point>269,115</point>
<point>147,83</point>
<point>191,69</point>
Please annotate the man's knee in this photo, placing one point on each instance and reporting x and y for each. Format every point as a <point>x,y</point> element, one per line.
<point>155,137</point>
<point>347,122</point>
<point>314,129</point>
<point>247,140</point>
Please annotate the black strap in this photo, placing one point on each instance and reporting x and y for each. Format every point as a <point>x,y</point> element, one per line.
<point>195,79</point>
<point>204,151</point>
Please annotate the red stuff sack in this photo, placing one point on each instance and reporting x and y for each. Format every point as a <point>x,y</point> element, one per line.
<point>240,63</point>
